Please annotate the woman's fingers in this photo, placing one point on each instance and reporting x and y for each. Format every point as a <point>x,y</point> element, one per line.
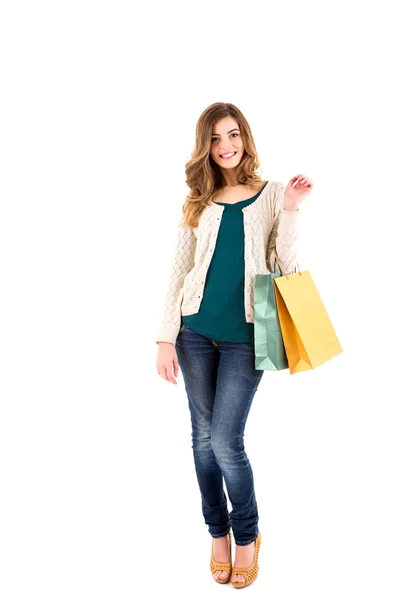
<point>165,371</point>
<point>170,376</point>
<point>176,367</point>
<point>303,179</point>
<point>167,363</point>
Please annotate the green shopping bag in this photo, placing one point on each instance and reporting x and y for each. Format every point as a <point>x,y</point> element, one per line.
<point>270,354</point>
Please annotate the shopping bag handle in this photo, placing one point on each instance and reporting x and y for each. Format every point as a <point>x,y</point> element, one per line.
<point>281,265</point>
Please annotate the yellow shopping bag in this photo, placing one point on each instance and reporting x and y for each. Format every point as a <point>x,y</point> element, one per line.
<point>308,334</point>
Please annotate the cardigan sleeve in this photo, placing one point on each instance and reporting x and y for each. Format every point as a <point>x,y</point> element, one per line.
<point>284,236</point>
<point>182,263</point>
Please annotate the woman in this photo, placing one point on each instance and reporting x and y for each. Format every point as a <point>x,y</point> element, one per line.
<point>232,221</point>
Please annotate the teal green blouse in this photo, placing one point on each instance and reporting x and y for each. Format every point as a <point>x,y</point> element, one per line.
<point>221,314</point>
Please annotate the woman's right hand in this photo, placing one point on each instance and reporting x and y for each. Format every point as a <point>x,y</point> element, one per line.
<point>167,362</point>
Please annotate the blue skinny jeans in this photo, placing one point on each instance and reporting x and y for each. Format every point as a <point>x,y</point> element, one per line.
<point>220,382</point>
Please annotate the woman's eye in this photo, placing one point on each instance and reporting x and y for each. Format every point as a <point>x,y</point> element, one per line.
<point>212,139</point>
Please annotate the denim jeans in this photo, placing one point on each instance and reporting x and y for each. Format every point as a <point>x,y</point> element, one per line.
<point>220,382</point>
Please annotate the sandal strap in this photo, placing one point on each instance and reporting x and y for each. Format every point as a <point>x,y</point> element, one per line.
<point>247,572</point>
<point>221,566</point>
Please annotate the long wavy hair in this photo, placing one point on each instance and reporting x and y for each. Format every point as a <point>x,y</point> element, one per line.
<point>203,176</point>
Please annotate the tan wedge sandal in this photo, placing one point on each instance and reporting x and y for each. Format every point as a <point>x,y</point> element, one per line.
<point>217,566</point>
<point>249,573</point>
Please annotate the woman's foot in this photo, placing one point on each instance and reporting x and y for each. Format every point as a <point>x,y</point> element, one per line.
<point>221,552</point>
<point>243,558</point>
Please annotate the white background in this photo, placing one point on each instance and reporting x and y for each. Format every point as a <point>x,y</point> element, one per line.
<point>99,103</point>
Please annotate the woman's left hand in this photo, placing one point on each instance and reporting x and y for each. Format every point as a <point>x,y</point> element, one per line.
<point>296,194</point>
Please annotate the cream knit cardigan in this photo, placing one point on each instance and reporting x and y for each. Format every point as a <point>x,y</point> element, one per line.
<point>266,225</point>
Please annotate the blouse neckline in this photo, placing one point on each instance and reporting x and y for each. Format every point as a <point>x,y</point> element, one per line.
<point>254,198</point>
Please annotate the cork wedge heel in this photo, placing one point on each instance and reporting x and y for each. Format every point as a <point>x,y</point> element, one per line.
<point>217,566</point>
<point>249,573</point>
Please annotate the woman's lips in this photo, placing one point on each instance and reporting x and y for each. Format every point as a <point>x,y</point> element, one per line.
<point>227,157</point>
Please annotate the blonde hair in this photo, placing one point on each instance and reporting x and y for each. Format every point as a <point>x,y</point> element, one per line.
<point>203,176</point>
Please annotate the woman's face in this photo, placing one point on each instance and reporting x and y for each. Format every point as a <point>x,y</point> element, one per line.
<point>226,139</point>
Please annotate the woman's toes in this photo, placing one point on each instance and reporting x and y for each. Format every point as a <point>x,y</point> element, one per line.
<point>220,575</point>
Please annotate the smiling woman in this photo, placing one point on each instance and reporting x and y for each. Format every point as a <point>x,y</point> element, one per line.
<point>232,223</point>
<point>233,134</point>
<point>224,157</point>
<point>226,147</point>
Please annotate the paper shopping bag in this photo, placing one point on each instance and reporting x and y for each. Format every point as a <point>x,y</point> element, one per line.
<point>308,334</point>
<point>268,344</point>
